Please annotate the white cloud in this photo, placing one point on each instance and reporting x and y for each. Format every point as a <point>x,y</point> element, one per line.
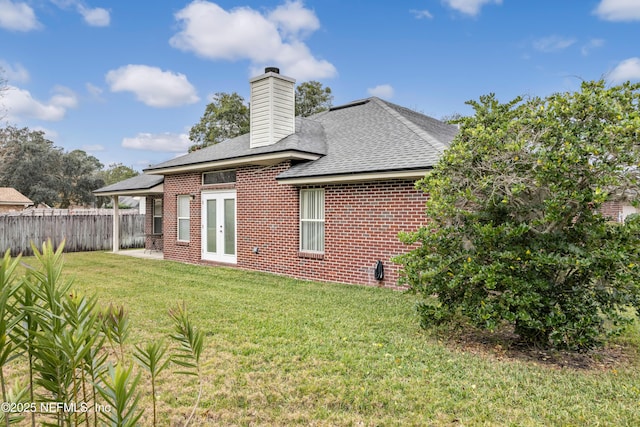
<point>381,91</point>
<point>274,38</point>
<point>294,20</point>
<point>618,10</point>
<point>153,86</point>
<point>552,44</point>
<point>64,97</point>
<point>592,44</point>
<point>14,73</point>
<point>171,142</point>
<point>629,69</point>
<point>96,17</point>
<point>17,16</point>
<point>20,104</point>
<point>469,7</point>
<point>420,14</point>
<point>95,148</point>
<point>94,91</point>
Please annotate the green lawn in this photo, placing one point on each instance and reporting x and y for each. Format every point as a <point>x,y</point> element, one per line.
<point>281,352</point>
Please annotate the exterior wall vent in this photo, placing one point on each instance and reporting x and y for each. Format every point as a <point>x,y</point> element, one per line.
<point>272,108</point>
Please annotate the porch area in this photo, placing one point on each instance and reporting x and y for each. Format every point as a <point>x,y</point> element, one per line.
<point>141,253</point>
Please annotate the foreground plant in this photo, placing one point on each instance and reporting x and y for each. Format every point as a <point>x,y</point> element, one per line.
<point>60,335</point>
<point>190,345</point>
<point>9,322</point>
<point>151,358</point>
<point>115,326</point>
<point>515,231</point>
<point>118,388</point>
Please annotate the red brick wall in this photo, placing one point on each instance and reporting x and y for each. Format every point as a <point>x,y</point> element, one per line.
<point>151,242</point>
<point>175,185</point>
<point>612,210</point>
<point>11,208</point>
<point>362,222</point>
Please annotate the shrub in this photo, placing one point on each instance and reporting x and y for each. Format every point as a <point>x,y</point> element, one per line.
<point>515,231</point>
<point>65,339</point>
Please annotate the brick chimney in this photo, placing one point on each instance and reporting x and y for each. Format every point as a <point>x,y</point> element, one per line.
<point>272,108</point>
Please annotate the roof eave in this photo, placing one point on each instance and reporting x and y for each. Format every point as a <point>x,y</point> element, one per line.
<point>266,159</point>
<point>15,203</point>
<point>155,190</point>
<point>413,174</point>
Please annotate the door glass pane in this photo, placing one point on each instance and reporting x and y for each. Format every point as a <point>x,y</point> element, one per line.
<point>211,226</point>
<point>229,226</point>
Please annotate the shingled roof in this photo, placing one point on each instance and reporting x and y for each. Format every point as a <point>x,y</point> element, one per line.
<point>373,135</point>
<point>11,196</point>
<point>363,137</point>
<point>309,139</point>
<point>140,184</point>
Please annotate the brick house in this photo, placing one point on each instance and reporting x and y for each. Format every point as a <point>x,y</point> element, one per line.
<point>321,198</point>
<point>11,200</point>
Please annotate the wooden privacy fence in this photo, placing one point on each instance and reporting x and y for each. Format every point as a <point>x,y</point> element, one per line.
<point>80,232</point>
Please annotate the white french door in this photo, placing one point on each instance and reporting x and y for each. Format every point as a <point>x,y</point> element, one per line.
<point>219,226</point>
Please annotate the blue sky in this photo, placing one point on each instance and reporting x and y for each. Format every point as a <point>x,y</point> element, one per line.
<point>125,80</point>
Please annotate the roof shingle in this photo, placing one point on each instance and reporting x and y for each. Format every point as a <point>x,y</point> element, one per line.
<point>373,135</point>
<point>139,182</point>
<point>370,135</point>
<point>9,195</point>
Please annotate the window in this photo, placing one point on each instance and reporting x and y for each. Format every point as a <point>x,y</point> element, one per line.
<point>184,203</point>
<point>219,177</point>
<point>157,216</point>
<point>312,220</point>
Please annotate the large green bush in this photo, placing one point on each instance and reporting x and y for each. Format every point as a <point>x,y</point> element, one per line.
<point>515,233</point>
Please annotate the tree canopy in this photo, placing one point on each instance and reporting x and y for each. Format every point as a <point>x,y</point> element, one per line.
<point>312,98</point>
<point>515,234</point>
<point>225,117</point>
<point>34,166</point>
<point>79,177</point>
<point>117,172</point>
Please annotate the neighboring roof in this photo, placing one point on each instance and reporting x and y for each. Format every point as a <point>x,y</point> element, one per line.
<point>11,196</point>
<point>141,184</point>
<point>363,137</point>
<point>308,142</point>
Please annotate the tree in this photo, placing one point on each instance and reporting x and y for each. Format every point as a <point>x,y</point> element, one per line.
<point>34,166</point>
<point>312,98</point>
<point>226,117</point>
<point>515,234</point>
<point>30,163</point>
<point>79,177</point>
<point>452,119</point>
<point>117,172</point>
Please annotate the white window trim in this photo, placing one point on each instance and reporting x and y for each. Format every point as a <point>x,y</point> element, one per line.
<point>182,218</point>
<point>157,215</point>
<point>315,220</point>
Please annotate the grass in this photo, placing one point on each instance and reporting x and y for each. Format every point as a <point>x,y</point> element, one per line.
<point>280,351</point>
